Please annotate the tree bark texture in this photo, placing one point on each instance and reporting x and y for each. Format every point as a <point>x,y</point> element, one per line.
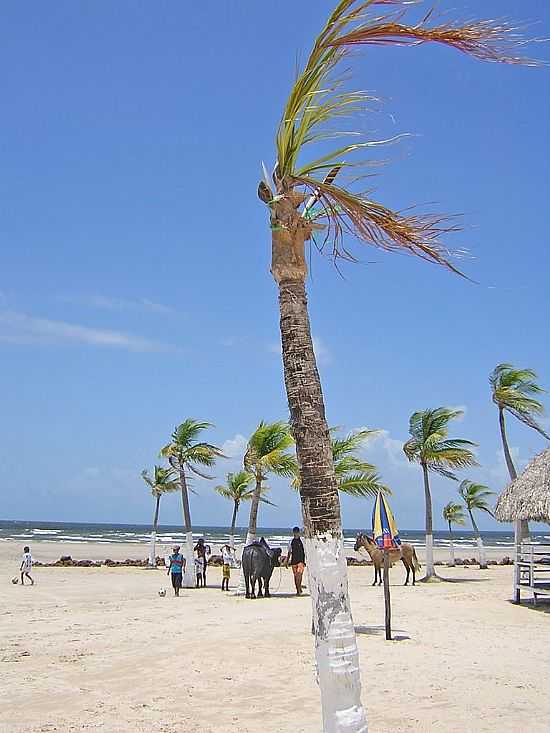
<point>152,551</point>
<point>430,572</point>
<point>188,553</point>
<point>233,523</point>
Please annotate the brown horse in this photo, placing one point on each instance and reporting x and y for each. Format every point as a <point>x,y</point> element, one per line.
<point>405,553</point>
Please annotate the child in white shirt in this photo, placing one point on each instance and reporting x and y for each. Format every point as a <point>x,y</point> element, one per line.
<point>26,566</point>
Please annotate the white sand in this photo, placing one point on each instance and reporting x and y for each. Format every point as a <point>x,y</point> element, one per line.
<point>99,650</point>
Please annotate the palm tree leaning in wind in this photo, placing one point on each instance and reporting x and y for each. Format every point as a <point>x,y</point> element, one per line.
<point>475,497</point>
<point>162,482</point>
<point>238,490</point>
<point>453,513</point>
<point>355,477</point>
<point>303,198</point>
<point>513,391</point>
<point>431,447</point>
<point>185,454</point>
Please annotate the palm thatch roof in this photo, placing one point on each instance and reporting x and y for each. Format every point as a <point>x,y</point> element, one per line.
<point>528,497</point>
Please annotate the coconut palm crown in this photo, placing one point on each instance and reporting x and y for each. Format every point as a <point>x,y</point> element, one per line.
<point>162,481</point>
<point>184,450</point>
<point>453,513</point>
<point>514,391</point>
<point>475,497</point>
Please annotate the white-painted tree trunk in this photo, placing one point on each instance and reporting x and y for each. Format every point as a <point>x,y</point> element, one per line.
<point>241,589</point>
<point>152,550</point>
<point>430,555</point>
<point>482,554</point>
<point>452,553</point>
<point>336,651</point>
<point>189,576</point>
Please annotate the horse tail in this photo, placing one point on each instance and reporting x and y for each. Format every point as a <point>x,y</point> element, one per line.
<point>417,565</point>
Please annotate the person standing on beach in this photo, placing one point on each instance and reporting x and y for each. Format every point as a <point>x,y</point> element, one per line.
<point>176,569</point>
<point>296,557</point>
<point>203,552</point>
<point>26,566</point>
<point>227,560</point>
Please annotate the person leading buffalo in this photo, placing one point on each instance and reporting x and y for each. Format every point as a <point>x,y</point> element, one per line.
<point>296,558</point>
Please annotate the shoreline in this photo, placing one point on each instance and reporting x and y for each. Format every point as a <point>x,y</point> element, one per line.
<point>50,551</point>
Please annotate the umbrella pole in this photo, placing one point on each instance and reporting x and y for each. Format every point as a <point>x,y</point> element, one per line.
<point>387,602</point>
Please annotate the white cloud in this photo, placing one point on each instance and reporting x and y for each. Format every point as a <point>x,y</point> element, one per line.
<point>322,353</point>
<point>119,304</point>
<point>20,328</point>
<point>235,447</point>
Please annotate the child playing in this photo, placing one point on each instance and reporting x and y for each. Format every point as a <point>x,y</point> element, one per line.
<point>26,566</point>
<point>227,559</point>
<point>176,568</point>
<point>199,569</point>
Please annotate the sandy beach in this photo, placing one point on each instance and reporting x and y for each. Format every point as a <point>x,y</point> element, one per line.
<point>98,649</point>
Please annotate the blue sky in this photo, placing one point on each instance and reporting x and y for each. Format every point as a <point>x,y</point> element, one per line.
<point>134,267</point>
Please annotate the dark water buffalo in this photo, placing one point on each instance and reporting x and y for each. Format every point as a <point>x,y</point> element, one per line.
<point>258,561</point>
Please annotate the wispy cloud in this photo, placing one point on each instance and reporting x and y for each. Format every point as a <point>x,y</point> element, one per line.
<point>322,352</point>
<point>20,328</point>
<point>235,447</point>
<point>106,302</point>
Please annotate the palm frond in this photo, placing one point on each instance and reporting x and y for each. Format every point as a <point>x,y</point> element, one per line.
<point>454,513</point>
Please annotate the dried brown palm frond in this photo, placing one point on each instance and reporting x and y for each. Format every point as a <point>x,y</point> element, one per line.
<point>319,98</point>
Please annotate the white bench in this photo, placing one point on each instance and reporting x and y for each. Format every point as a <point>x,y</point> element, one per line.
<point>532,570</point>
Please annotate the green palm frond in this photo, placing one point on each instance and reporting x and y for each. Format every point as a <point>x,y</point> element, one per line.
<point>267,450</point>
<point>163,480</point>
<point>185,451</point>
<point>320,99</point>
<point>430,445</point>
<point>475,496</point>
<point>513,390</point>
<point>453,513</point>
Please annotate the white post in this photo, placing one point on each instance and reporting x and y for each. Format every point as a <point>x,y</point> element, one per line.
<point>481,551</point>
<point>336,650</point>
<point>430,555</point>
<point>152,550</point>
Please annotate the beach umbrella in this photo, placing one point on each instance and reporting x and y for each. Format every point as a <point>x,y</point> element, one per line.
<point>386,536</point>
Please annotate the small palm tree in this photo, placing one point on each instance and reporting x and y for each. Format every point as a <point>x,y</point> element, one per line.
<point>475,497</point>
<point>355,476</point>
<point>430,446</point>
<point>453,513</point>
<point>237,489</point>
<point>185,454</point>
<point>162,482</point>
<point>513,391</point>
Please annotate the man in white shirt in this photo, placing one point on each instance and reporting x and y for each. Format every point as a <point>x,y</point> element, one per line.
<point>26,565</point>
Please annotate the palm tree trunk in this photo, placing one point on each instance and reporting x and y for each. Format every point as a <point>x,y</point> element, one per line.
<point>480,545</point>
<point>430,572</point>
<point>233,523</point>
<point>452,561</point>
<point>521,529</point>
<point>335,642</point>
<point>189,575</point>
<point>152,551</point>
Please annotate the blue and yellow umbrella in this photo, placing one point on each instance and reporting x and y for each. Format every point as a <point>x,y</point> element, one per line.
<point>384,529</point>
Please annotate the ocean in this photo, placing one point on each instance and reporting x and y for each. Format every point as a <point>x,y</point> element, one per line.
<point>139,534</point>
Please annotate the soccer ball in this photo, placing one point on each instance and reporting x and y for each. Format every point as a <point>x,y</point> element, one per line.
<point>162,592</point>
<point>15,581</point>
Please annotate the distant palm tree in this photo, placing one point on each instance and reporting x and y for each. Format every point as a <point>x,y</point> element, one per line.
<point>475,496</point>
<point>162,482</point>
<point>512,391</point>
<point>267,453</point>
<point>430,446</point>
<point>238,490</point>
<point>186,453</point>
<point>355,477</point>
<point>453,514</point>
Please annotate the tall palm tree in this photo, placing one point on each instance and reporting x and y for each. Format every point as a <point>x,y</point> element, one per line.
<point>513,391</point>
<point>453,513</point>
<point>162,482</point>
<point>430,446</point>
<point>237,489</point>
<point>303,199</point>
<point>185,454</point>
<point>475,497</point>
<point>355,477</point>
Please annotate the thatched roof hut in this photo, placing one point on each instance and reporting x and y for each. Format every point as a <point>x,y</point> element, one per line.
<point>528,497</point>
